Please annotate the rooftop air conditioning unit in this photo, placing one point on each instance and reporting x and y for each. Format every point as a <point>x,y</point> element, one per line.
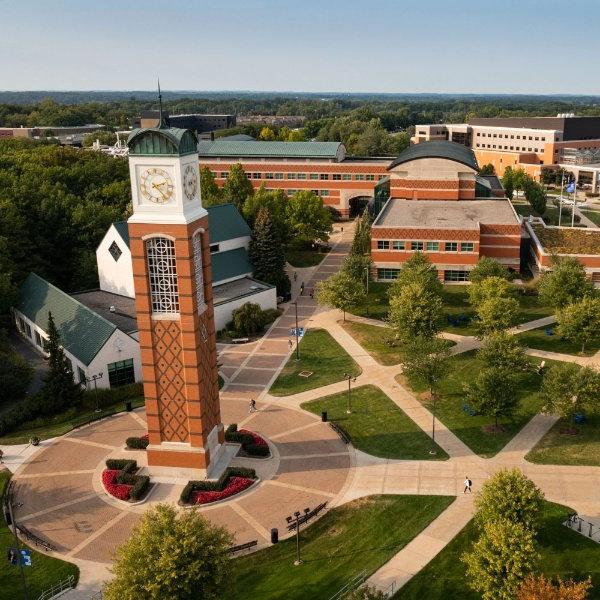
<point>112,308</point>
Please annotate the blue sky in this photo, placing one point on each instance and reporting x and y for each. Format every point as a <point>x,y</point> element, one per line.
<point>486,46</point>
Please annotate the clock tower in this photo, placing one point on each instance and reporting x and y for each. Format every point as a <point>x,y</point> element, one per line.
<point>169,243</point>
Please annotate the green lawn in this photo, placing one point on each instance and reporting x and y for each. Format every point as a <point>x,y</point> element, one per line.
<point>376,425</point>
<point>359,536</point>
<point>550,217</point>
<point>322,355</point>
<point>564,553</point>
<point>304,258</point>
<point>44,572</point>
<point>593,215</point>
<point>463,370</point>
<point>376,305</point>
<point>560,449</point>
<point>63,422</point>
<point>537,338</point>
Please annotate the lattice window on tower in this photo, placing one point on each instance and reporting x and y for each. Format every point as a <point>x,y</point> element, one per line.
<point>162,275</point>
<point>115,251</point>
<point>197,246</point>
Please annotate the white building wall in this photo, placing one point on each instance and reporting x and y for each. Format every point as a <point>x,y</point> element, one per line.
<point>239,242</point>
<point>115,276</point>
<point>265,299</point>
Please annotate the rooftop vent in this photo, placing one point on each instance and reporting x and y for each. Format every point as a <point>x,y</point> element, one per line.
<point>112,308</point>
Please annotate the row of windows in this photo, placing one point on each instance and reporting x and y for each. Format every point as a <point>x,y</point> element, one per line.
<point>450,275</point>
<point>306,176</point>
<point>291,191</point>
<point>512,137</point>
<point>519,148</point>
<point>427,246</point>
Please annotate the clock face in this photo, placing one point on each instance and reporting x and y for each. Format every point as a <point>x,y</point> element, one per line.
<point>190,182</point>
<point>156,185</point>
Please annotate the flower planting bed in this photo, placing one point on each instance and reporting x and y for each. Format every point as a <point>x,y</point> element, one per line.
<point>137,443</point>
<point>252,444</point>
<point>233,481</point>
<point>120,480</point>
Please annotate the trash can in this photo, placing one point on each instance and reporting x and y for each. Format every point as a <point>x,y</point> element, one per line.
<point>324,416</point>
<point>128,407</point>
<point>274,535</point>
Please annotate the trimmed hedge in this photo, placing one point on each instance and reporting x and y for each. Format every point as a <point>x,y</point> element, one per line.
<point>215,486</point>
<point>127,476</point>
<point>246,440</point>
<point>137,443</point>
<point>122,464</point>
<point>139,487</point>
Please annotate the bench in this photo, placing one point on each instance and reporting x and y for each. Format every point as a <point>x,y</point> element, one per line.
<point>345,437</point>
<point>240,340</point>
<point>304,518</point>
<point>35,539</point>
<point>240,547</point>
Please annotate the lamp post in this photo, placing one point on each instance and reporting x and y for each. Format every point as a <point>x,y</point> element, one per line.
<point>95,378</point>
<point>297,344</point>
<point>350,379</point>
<point>296,518</point>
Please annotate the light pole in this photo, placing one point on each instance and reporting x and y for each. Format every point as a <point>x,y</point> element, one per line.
<point>296,518</point>
<point>95,378</point>
<point>350,379</point>
<point>18,548</point>
<point>297,344</point>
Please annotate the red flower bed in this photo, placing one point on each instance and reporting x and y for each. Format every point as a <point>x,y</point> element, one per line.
<point>235,485</point>
<point>120,491</point>
<point>256,439</point>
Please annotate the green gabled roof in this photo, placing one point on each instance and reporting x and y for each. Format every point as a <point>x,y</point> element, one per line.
<point>448,150</point>
<point>122,230</point>
<point>162,141</point>
<point>228,264</point>
<point>226,223</point>
<point>247,149</point>
<point>82,331</point>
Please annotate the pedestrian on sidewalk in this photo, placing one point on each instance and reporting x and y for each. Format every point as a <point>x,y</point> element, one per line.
<point>467,483</point>
<point>302,288</point>
<point>252,407</point>
<point>1,457</point>
<point>295,275</point>
<point>290,344</point>
<point>311,293</point>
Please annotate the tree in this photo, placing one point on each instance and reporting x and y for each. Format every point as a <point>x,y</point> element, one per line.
<point>493,393</point>
<point>340,291</point>
<point>237,187</point>
<point>210,192</point>
<point>493,301</point>
<point>248,319</point>
<point>509,495</point>
<point>275,202</point>
<point>171,554</point>
<point>535,195</point>
<point>60,389</point>
<point>361,242</point>
<point>566,283</point>
<point>508,182</point>
<point>417,269</point>
<point>415,311</point>
<point>266,134</point>
<point>500,560</point>
<point>519,179</point>
<point>580,321</point>
<point>366,592</point>
<point>568,389</point>
<point>266,253</point>
<point>358,267</point>
<point>487,169</point>
<point>15,376</point>
<point>307,218</point>
<point>537,587</point>
<point>488,267</point>
<point>501,350</point>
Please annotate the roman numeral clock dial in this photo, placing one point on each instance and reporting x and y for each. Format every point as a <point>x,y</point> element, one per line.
<point>190,182</point>
<point>156,186</point>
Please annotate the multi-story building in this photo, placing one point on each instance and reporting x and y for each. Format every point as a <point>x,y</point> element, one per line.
<point>196,122</point>
<point>323,167</point>
<point>529,143</point>
<point>439,205</point>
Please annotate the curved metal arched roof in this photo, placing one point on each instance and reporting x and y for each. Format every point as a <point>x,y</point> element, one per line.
<point>447,150</point>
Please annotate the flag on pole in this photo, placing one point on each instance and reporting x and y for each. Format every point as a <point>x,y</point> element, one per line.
<point>571,188</point>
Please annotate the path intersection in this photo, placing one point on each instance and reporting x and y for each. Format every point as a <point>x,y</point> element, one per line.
<point>63,500</point>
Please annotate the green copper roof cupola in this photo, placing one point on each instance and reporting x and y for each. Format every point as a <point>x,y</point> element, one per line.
<point>162,140</point>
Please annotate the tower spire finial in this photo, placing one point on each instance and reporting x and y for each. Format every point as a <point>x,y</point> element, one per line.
<point>161,122</point>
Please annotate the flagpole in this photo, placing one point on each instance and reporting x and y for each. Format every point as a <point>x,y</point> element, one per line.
<point>562,183</point>
<point>574,203</point>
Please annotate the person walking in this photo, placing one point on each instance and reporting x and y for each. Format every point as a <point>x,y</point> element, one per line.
<point>290,344</point>
<point>252,407</point>
<point>467,483</point>
<point>302,288</point>
<point>295,275</point>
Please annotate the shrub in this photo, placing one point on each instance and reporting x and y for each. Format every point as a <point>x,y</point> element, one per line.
<point>142,482</point>
<point>215,486</point>
<point>256,449</point>
<point>122,464</point>
<point>235,485</point>
<point>248,319</point>
<point>252,443</point>
<point>107,397</point>
<point>137,443</point>
<point>110,482</point>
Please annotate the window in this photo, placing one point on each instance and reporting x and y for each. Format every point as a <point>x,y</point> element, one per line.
<point>291,175</point>
<point>224,174</point>
<point>387,274</point>
<point>433,246</point>
<point>21,325</point>
<point>466,246</point>
<point>197,247</point>
<point>115,251</point>
<point>346,176</point>
<point>370,177</point>
<point>324,193</point>
<point>213,248</point>
<point>121,373</point>
<point>451,246</point>
<point>28,330</point>
<point>314,176</point>
<point>397,245</point>
<point>256,175</point>
<point>301,175</point>
<point>337,176</point>
<point>324,176</point>
<point>452,275</point>
<point>278,175</point>
<point>383,245</point>
<point>359,177</point>
<point>414,246</point>
<point>269,176</point>
<point>81,376</point>
<point>162,275</point>
<point>38,339</point>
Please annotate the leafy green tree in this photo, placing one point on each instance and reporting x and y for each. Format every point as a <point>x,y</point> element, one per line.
<point>519,178</point>
<point>489,287</point>
<point>493,393</point>
<point>565,284</point>
<point>537,587</point>
<point>500,560</point>
<point>308,219</point>
<point>15,376</point>
<point>237,187</point>
<point>210,192</point>
<point>171,554</point>
<point>487,169</point>
<point>535,195</point>
<point>248,319</point>
<point>580,321</point>
<point>569,389</point>
<point>501,350</point>
<point>275,202</point>
<point>266,253</point>
<point>415,311</point>
<point>508,182</point>
<point>358,267</point>
<point>509,495</point>
<point>60,389</point>
<point>340,291</point>
<point>366,592</point>
<point>266,134</point>
<point>488,267</point>
<point>361,242</point>
<point>417,269</point>
<point>494,304</point>
<point>296,135</point>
